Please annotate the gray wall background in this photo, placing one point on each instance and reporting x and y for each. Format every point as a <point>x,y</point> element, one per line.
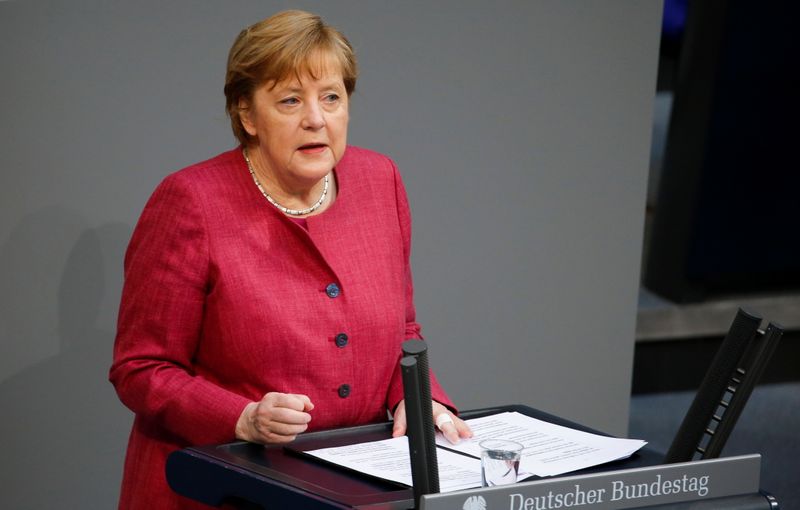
<point>522,130</point>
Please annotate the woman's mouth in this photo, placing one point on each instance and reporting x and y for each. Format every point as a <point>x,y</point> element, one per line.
<point>312,148</point>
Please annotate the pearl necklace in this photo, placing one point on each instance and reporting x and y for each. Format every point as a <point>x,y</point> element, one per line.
<point>286,210</point>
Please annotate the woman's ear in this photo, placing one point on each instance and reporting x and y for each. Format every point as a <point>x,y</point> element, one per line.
<point>245,116</point>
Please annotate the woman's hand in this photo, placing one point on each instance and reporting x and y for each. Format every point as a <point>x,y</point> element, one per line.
<point>277,418</point>
<point>453,427</point>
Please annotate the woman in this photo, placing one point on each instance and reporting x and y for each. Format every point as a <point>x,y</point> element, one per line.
<point>267,290</point>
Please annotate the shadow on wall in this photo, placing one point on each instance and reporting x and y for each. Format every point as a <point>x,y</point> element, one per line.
<point>63,430</point>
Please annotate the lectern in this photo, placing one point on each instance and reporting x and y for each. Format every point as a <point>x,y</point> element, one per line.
<point>278,477</point>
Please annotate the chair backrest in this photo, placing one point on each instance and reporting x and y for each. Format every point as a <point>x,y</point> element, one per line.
<point>728,383</point>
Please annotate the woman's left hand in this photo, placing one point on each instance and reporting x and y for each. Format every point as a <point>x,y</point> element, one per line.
<point>453,427</point>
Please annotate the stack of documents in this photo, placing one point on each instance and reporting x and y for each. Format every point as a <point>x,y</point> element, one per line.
<point>549,450</point>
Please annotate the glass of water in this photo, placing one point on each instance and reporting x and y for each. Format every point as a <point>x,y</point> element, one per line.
<point>499,461</point>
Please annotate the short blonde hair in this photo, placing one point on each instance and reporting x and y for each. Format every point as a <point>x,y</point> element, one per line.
<point>289,42</point>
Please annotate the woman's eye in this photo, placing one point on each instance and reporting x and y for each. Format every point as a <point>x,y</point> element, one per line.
<point>290,101</point>
<point>332,98</point>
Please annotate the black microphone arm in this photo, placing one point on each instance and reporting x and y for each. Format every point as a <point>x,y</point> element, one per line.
<point>419,418</point>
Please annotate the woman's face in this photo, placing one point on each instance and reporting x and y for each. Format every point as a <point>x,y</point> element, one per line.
<point>299,126</point>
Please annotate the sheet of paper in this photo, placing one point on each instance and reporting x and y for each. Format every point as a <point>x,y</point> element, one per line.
<point>389,459</point>
<point>549,449</point>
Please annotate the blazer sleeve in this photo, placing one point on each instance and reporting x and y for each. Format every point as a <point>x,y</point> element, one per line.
<point>413,329</point>
<point>160,318</point>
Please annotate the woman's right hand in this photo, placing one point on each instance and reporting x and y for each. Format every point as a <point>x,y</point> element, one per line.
<point>276,418</point>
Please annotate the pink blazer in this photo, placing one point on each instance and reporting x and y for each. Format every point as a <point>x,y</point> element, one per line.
<point>226,299</point>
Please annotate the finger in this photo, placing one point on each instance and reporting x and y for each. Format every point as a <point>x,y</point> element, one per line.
<point>270,437</point>
<point>291,400</point>
<point>463,429</point>
<point>307,404</point>
<point>450,433</point>
<point>272,429</point>
<point>287,416</point>
<point>444,422</point>
<point>281,429</point>
<point>399,427</point>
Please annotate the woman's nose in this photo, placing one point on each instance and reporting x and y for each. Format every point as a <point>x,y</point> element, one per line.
<point>313,117</point>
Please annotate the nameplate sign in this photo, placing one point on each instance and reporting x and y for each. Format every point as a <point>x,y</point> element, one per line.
<point>611,490</point>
